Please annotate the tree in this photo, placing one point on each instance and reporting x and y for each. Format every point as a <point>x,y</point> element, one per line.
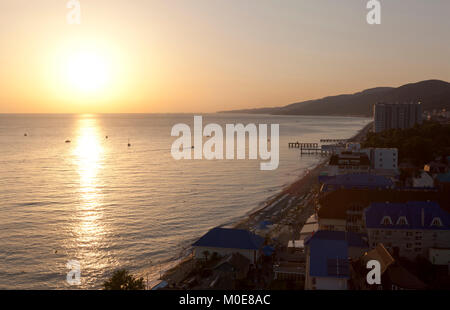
<point>123,280</point>
<point>419,144</point>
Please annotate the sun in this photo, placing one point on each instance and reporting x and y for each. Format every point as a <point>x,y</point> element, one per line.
<point>87,72</point>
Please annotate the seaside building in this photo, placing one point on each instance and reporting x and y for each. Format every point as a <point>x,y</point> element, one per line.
<point>348,163</point>
<point>327,259</point>
<point>408,229</point>
<point>352,181</point>
<point>396,116</point>
<point>342,209</point>
<point>226,241</point>
<point>384,161</point>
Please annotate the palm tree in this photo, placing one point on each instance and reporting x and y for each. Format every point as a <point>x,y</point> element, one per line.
<point>123,280</point>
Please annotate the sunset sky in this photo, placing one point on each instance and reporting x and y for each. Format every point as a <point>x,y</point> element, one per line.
<point>144,56</point>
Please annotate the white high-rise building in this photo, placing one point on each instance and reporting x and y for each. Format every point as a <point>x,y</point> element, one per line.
<point>396,116</point>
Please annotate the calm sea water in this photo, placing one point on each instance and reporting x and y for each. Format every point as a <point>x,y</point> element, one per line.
<point>107,205</point>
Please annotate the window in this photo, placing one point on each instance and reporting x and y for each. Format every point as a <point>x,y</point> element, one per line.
<point>402,220</point>
<point>436,222</point>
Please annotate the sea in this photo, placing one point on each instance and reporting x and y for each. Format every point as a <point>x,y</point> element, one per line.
<point>106,205</point>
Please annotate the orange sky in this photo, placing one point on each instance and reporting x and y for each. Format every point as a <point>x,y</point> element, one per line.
<point>210,55</point>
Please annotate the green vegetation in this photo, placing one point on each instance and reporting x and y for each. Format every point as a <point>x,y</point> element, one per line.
<point>418,145</point>
<point>124,281</point>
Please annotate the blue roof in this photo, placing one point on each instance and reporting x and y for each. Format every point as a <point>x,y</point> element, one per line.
<point>348,181</point>
<point>352,239</point>
<point>328,257</point>
<point>375,213</point>
<point>231,239</point>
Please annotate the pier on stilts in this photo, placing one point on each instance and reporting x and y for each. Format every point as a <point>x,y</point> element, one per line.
<point>306,148</point>
<point>314,148</point>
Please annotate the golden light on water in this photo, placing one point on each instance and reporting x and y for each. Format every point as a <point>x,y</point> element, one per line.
<point>88,156</point>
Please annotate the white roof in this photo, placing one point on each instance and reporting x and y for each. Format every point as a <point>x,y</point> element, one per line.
<point>296,244</point>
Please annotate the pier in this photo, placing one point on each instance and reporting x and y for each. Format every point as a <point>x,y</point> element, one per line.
<point>333,140</point>
<point>299,145</point>
<point>306,148</point>
<point>314,148</point>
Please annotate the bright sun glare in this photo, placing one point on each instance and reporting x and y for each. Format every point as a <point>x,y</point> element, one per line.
<point>87,72</point>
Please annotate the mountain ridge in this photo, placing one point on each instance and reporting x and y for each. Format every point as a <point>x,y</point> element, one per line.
<point>434,94</point>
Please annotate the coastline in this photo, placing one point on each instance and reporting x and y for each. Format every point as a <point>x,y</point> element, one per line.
<point>288,211</point>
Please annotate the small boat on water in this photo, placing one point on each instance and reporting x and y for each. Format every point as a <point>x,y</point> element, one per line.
<point>68,141</point>
<point>25,134</point>
<point>106,137</point>
<point>129,144</point>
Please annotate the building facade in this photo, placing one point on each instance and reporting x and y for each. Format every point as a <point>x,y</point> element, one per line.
<point>348,163</point>
<point>408,229</point>
<point>396,116</point>
<point>384,158</point>
<point>226,241</point>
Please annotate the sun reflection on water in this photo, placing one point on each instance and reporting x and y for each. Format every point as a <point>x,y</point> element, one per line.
<point>88,155</point>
